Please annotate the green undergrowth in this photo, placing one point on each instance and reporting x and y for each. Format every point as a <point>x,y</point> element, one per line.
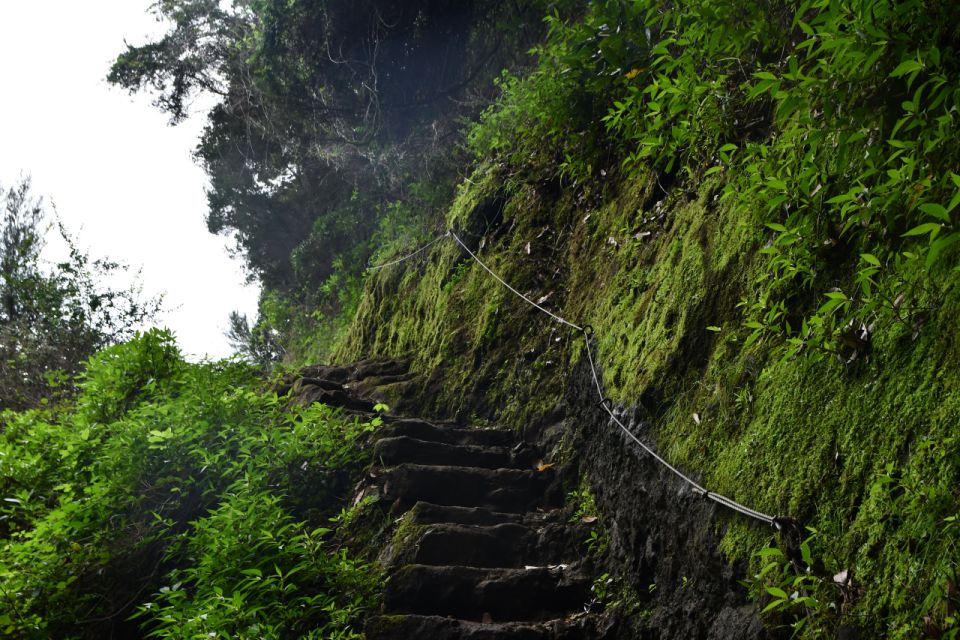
<point>177,500</point>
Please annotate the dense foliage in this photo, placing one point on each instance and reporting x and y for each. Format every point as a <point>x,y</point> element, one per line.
<point>180,495</point>
<point>833,122</point>
<point>53,317</point>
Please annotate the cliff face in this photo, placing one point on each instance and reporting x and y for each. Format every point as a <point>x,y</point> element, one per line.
<point>847,449</point>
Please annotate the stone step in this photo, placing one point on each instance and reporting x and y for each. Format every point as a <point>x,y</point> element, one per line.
<point>423,430</point>
<point>506,545</point>
<point>399,449</point>
<point>430,513</point>
<point>508,490</point>
<point>418,627</point>
<point>490,595</point>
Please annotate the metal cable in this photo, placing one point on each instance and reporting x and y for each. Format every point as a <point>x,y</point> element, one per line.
<point>604,402</point>
<point>504,283</point>
<point>407,257</point>
<point>707,494</point>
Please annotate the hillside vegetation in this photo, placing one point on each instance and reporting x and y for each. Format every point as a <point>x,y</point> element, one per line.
<point>176,500</point>
<point>753,205</point>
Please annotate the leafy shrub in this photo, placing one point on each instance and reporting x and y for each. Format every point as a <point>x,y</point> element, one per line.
<point>104,505</point>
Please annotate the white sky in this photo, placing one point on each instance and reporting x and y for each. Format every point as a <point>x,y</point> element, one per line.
<point>120,177</point>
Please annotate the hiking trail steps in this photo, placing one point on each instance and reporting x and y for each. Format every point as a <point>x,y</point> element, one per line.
<point>488,554</point>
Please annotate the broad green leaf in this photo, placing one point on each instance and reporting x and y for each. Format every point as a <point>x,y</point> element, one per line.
<point>935,210</point>
<point>905,67</point>
<point>777,592</point>
<point>928,227</point>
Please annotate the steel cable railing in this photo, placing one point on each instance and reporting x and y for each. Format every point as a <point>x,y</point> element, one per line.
<point>587,332</point>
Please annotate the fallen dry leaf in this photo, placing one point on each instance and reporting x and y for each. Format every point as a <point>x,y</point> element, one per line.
<point>696,418</point>
<point>543,466</point>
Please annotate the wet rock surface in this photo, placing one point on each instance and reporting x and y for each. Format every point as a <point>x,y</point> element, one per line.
<point>664,537</point>
<point>485,552</point>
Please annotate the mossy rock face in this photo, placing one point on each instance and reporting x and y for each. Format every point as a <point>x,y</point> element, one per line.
<point>862,452</point>
<point>402,546</point>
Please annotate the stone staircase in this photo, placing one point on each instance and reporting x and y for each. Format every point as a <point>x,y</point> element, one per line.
<point>483,550</point>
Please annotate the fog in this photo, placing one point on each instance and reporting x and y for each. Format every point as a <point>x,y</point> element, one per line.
<point>121,179</point>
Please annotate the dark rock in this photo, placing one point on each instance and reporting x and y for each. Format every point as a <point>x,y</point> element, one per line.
<point>500,545</point>
<point>509,490</point>
<point>328,385</point>
<point>664,533</point>
<point>311,394</point>
<point>411,627</point>
<point>422,430</point>
<point>472,593</point>
<point>429,513</point>
<point>395,450</point>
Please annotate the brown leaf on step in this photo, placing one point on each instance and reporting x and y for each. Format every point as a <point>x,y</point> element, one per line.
<point>486,619</point>
<point>543,466</point>
<point>696,418</point>
<point>588,519</point>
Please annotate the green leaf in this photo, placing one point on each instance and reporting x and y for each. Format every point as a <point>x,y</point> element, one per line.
<point>933,228</point>
<point>713,328</point>
<point>870,258</point>
<point>777,592</point>
<point>843,197</point>
<point>766,552</point>
<point>776,226</point>
<point>935,210</point>
<point>905,67</point>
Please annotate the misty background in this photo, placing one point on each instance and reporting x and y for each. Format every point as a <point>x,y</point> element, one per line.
<point>120,178</point>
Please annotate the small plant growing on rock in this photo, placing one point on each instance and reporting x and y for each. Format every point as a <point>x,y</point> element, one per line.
<point>586,512</point>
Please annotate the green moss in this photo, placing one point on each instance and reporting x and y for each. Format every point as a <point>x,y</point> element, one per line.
<point>806,437</point>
